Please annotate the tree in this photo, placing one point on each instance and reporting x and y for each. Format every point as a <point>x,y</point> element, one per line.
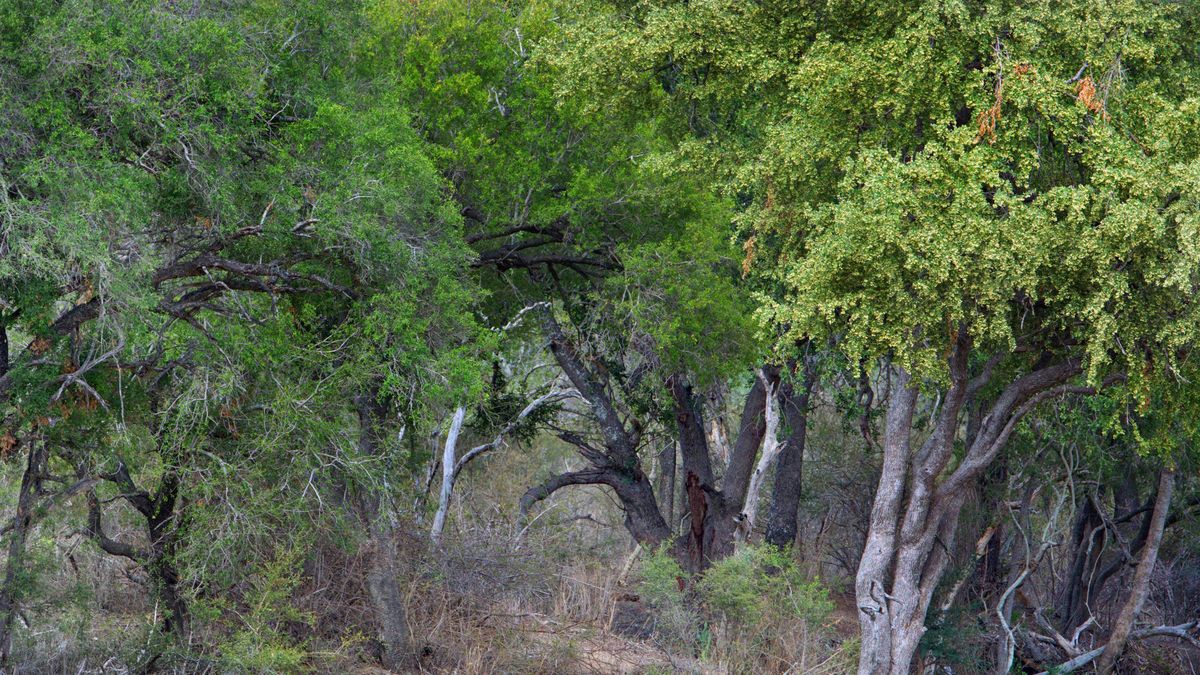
<point>987,231</point>
<point>562,211</point>
<point>238,233</point>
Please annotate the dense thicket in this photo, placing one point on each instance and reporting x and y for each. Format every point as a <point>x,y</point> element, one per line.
<point>869,327</point>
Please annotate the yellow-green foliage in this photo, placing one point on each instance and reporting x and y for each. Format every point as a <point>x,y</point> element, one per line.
<point>910,169</point>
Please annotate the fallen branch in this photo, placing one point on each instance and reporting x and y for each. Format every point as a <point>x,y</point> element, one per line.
<point>1183,631</point>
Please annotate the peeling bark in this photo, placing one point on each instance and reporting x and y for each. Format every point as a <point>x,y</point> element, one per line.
<point>770,450</point>
<point>449,469</point>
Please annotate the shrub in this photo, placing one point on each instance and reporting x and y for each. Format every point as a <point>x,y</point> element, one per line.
<point>750,611</point>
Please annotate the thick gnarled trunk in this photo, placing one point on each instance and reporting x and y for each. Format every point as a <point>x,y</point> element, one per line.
<point>717,513</point>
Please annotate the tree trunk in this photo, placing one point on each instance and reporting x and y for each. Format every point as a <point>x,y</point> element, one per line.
<point>1141,580</point>
<point>383,585</point>
<point>14,566</point>
<point>163,527</point>
<point>721,510</point>
<point>3,346</point>
<point>770,451</point>
<point>1086,544</point>
<point>449,469</point>
<point>666,482</point>
<point>789,471</point>
<point>871,581</point>
<point>914,518</point>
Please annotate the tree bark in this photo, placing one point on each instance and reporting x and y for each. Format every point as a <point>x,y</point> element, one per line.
<point>721,510</point>
<point>1086,543</point>
<point>164,527</point>
<point>14,566</point>
<point>666,482</point>
<point>383,584</point>
<point>770,451</point>
<point>1183,631</point>
<point>3,346</point>
<point>789,470</point>
<point>452,466</point>
<point>616,464</point>
<point>915,508</point>
<point>1141,580</point>
<point>162,530</point>
<point>871,581</point>
<point>449,469</point>
<point>693,442</point>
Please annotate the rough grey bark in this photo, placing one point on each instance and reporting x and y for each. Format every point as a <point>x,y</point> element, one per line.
<point>871,581</point>
<point>1141,580</point>
<point>789,470</point>
<point>383,569</point>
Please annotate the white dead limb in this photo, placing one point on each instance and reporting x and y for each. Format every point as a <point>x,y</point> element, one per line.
<point>448,463</point>
<point>452,466</point>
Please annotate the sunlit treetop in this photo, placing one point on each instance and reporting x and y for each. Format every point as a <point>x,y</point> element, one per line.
<point>1026,171</point>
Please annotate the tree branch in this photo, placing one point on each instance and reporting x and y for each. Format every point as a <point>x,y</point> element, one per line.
<point>1183,631</point>
<point>537,493</point>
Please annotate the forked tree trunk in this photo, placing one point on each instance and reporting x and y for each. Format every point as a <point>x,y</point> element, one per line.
<point>871,582</point>
<point>914,517</point>
<point>616,464</point>
<point>721,510</point>
<point>770,451</point>
<point>1141,579</point>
